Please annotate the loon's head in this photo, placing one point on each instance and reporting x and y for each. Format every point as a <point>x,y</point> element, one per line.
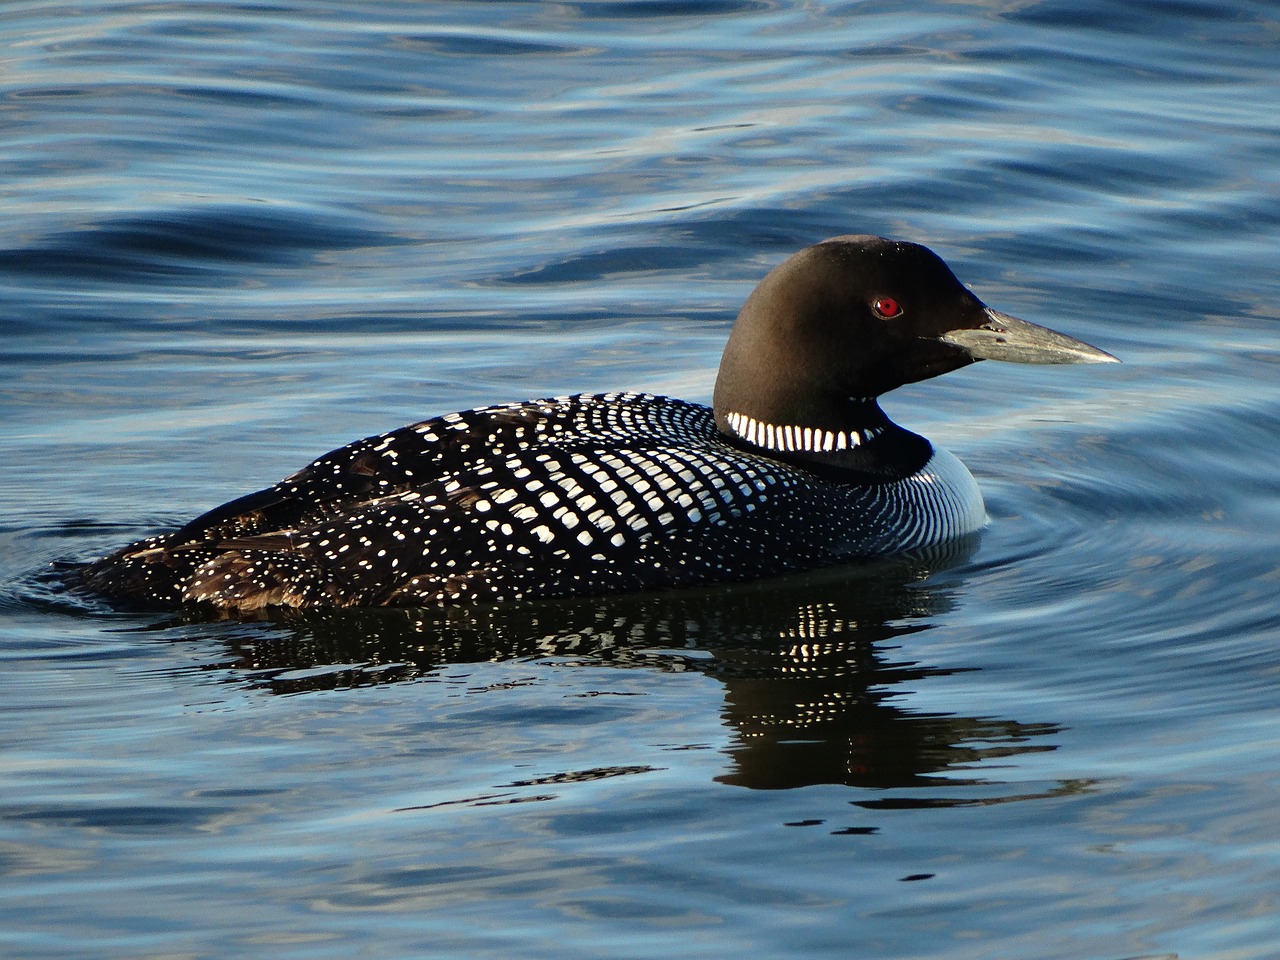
<point>853,317</point>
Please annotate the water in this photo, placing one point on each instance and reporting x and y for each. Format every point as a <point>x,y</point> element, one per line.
<point>238,235</point>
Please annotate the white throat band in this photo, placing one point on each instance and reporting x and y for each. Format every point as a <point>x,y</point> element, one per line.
<point>791,436</point>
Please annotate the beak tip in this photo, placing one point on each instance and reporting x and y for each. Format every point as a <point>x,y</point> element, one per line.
<point>1087,353</point>
<point>1092,355</point>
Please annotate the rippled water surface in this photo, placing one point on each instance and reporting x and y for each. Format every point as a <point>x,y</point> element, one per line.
<point>238,235</point>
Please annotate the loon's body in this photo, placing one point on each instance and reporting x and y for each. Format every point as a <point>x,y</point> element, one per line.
<point>794,467</point>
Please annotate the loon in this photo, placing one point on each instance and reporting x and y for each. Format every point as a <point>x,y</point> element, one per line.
<point>793,467</point>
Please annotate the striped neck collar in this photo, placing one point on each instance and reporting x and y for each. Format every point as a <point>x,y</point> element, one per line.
<point>791,437</point>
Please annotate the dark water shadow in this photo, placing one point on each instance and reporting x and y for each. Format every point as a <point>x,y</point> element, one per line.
<point>813,680</point>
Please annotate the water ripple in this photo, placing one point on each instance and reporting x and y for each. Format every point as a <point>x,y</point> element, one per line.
<point>187,243</point>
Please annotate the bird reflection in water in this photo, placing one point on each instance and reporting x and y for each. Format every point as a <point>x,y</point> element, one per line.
<point>812,686</point>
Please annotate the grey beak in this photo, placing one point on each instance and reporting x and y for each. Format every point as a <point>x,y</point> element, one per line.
<point>1016,341</point>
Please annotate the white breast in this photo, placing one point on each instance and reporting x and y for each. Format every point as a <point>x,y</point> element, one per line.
<point>940,502</point>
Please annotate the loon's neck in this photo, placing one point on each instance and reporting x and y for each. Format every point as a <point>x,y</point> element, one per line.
<point>852,440</point>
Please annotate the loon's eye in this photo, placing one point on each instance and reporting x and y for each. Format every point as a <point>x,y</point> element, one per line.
<point>887,308</point>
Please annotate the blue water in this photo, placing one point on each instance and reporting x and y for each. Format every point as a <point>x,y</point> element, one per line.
<point>235,236</point>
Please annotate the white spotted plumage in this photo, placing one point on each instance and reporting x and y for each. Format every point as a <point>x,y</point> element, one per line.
<point>589,493</point>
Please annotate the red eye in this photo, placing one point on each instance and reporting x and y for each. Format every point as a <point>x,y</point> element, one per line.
<point>887,308</point>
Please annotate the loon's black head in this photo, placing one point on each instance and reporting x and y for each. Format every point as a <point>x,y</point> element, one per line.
<point>853,317</point>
